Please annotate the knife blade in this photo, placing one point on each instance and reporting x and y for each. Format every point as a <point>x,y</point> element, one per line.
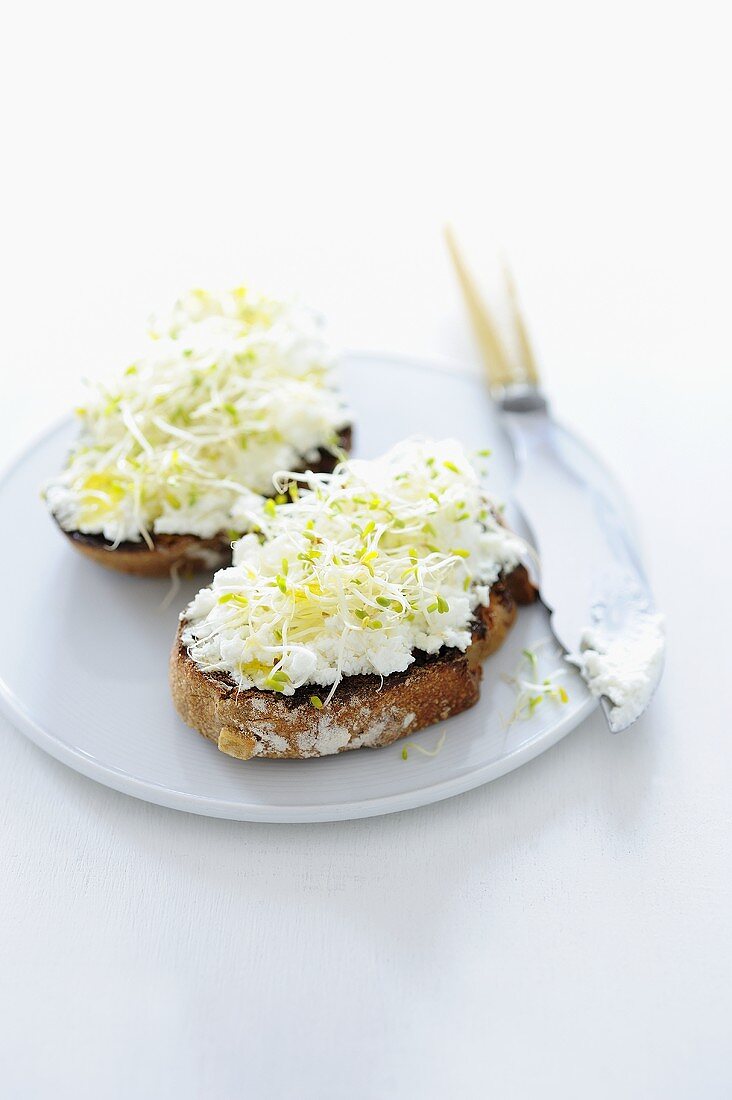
<point>591,577</point>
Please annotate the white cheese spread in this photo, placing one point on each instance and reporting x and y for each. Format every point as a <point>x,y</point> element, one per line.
<point>361,568</point>
<point>230,388</point>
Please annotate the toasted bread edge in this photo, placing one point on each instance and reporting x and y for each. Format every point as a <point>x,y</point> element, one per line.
<point>365,712</point>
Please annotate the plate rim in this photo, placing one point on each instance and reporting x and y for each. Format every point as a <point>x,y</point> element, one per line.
<point>155,793</point>
<point>203,805</point>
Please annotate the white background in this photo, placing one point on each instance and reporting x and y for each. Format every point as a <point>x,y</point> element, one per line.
<point>564,932</point>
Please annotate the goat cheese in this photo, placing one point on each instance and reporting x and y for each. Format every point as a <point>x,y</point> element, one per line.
<point>624,670</point>
<point>230,388</point>
<point>357,571</point>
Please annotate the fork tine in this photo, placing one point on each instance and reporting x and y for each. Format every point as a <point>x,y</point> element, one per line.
<point>499,369</point>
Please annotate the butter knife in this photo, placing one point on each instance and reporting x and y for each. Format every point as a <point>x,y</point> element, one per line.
<point>590,575</point>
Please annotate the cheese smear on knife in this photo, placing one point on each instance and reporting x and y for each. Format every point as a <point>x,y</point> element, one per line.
<point>624,670</point>
<point>355,572</point>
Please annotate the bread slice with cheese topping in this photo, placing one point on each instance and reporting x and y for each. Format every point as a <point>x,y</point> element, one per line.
<point>228,389</point>
<point>354,614</point>
<point>366,711</point>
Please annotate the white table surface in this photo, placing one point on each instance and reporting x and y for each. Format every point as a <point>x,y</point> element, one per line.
<point>565,931</point>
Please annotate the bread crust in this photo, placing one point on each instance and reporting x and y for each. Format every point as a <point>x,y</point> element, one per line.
<point>186,553</point>
<point>365,711</point>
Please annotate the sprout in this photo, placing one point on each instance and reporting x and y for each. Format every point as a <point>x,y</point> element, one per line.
<point>422,750</point>
<point>234,597</point>
<point>531,690</point>
<point>530,657</point>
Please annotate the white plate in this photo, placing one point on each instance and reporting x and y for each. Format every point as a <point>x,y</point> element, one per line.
<point>83,657</point>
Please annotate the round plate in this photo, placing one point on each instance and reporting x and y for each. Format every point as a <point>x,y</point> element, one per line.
<point>83,671</point>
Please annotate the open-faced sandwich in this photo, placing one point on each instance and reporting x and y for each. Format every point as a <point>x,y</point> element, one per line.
<point>354,614</point>
<point>231,388</point>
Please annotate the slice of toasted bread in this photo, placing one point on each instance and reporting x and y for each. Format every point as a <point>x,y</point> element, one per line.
<point>188,553</point>
<point>365,712</point>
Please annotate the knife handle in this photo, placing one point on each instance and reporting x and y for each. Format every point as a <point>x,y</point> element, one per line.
<point>506,368</point>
